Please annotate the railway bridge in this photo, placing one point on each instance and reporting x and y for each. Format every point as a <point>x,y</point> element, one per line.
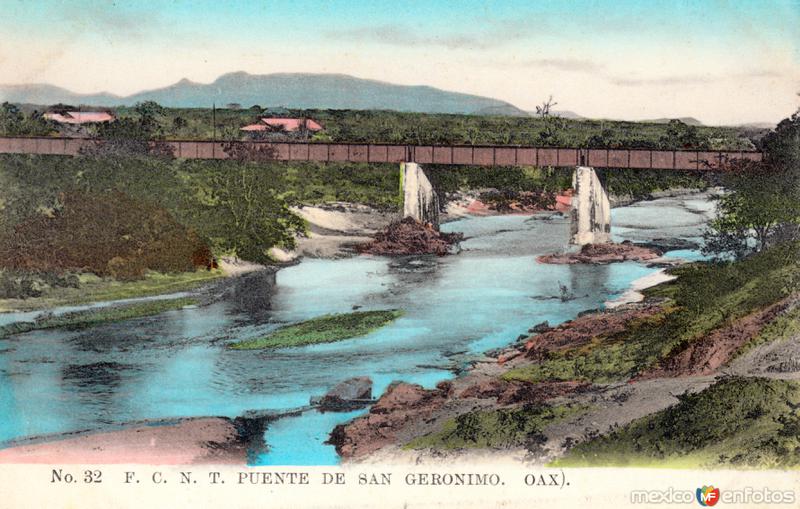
<point>590,205</point>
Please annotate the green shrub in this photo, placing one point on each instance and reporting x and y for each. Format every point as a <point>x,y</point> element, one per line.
<point>503,428</point>
<point>107,234</point>
<point>23,285</point>
<point>736,422</point>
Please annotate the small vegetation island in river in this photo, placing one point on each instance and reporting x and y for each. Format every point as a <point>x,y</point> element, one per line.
<point>323,329</point>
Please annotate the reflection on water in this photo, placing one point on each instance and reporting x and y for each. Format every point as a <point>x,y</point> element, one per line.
<point>176,364</point>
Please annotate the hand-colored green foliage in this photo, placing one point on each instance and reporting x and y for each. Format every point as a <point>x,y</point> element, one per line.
<point>640,184</point>
<point>88,318</point>
<point>236,208</point>
<point>34,291</point>
<point>448,179</point>
<point>705,296</point>
<point>498,429</point>
<point>762,207</point>
<point>324,329</point>
<point>431,128</point>
<point>16,121</point>
<point>104,233</point>
<point>784,327</point>
<point>737,422</point>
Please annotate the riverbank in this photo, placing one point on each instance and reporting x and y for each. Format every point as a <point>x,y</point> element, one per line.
<point>93,289</point>
<point>599,373</point>
<point>189,441</point>
<point>176,364</point>
<point>335,230</point>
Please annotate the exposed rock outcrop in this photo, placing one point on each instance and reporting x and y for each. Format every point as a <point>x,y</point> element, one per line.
<point>706,355</point>
<point>509,393</point>
<point>346,395</point>
<point>401,404</point>
<point>604,253</point>
<point>409,237</point>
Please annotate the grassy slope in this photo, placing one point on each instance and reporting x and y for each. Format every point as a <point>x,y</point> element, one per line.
<point>782,328</point>
<point>95,289</point>
<point>704,297</point>
<point>80,319</point>
<point>324,329</point>
<point>736,422</point>
<point>504,428</point>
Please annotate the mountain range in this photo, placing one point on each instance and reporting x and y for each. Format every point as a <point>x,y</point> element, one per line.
<point>290,90</point>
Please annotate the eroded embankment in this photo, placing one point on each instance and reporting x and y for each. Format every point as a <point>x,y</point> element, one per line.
<point>601,371</point>
<point>407,412</point>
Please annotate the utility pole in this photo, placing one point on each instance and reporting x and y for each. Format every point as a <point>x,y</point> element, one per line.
<point>214,121</point>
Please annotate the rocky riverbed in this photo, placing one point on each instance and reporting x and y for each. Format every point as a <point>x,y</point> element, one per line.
<point>604,253</point>
<point>177,365</point>
<point>407,412</point>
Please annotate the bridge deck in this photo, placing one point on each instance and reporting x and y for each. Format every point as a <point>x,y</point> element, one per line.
<point>423,154</point>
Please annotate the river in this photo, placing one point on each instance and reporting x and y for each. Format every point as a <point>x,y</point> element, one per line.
<point>176,364</point>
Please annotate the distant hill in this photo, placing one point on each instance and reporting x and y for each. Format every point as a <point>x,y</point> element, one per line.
<point>305,91</point>
<point>568,114</point>
<point>757,125</point>
<point>571,115</point>
<point>685,120</point>
<point>48,94</point>
<point>506,110</point>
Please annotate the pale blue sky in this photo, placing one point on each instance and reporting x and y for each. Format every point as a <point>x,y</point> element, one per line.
<point>721,61</point>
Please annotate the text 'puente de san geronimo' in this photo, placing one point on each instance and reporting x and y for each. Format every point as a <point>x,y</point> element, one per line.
<point>591,210</point>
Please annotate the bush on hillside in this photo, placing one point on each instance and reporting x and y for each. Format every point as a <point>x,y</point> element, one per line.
<point>22,285</point>
<point>109,234</point>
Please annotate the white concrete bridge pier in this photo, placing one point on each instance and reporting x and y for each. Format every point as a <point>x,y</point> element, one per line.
<point>419,199</point>
<point>591,210</point>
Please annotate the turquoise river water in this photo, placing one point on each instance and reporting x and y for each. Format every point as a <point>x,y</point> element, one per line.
<point>176,364</point>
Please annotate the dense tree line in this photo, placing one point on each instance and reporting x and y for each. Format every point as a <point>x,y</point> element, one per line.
<point>148,119</point>
<point>762,206</point>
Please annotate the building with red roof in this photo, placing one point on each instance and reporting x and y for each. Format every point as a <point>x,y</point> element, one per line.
<point>288,125</point>
<point>80,117</point>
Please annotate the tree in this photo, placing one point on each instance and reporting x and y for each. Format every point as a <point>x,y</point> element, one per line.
<point>179,123</point>
<point>10,119</point>
<point>139,135</point>
<point>782,147</point>
<point>149,115</point>
<point>553,126</point>
<point>762,205</point>
<point>243,213</point>
<point>544,110</point>
<point>680,135</point>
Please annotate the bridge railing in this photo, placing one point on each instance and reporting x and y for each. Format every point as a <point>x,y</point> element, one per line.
<point>472,155</point>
